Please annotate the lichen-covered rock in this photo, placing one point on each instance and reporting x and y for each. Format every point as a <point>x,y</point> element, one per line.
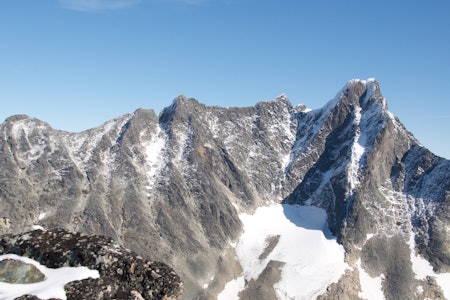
<point>4,224</point>
<point>123,274</point>
<point>13,271</point>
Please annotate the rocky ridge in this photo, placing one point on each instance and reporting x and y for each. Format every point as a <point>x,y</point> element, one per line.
<point>123,274</point>
<point>172,186</point>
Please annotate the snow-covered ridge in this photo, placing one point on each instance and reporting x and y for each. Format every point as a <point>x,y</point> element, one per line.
<point>38,137</point>
<point>80,145</point>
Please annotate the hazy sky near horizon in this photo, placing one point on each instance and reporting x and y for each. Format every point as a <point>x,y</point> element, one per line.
<point>78,63</point>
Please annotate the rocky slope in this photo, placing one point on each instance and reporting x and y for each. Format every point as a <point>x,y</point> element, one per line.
<point>171,187</point>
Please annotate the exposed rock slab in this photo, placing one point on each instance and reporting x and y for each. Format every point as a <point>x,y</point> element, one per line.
<point>262,287</point>
<point>13,271</point>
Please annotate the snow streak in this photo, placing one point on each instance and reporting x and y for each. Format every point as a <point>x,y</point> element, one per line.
<point>154,152</point>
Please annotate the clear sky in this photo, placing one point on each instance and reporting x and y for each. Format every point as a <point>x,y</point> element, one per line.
<point>78,63</point>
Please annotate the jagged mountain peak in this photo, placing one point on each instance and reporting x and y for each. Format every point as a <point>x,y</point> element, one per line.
<point>283,98</point>
<point>358,93</point>
<point>23,121</point>
<point>362,81</point>
<point>17,118</point>
<point>183,102</point>
<point>180,108</point>
<point>280,103</point>
<point>144,113</point>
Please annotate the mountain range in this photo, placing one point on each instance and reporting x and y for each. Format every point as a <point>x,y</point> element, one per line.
<point>179,187</point>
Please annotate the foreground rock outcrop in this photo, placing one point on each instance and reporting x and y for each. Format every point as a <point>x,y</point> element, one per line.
<point>123,274</point>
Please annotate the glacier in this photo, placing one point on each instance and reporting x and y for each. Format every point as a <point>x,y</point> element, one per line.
<point>310,256</point>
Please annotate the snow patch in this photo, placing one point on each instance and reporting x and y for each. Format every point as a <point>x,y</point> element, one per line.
<point>232,289</point>
<point>371,287</point>
<point>419,290</point>
<point>421,266</point>
<point>185,137</point>
<point>206,284</point>
<point>312,258</point>
<point>369,236</point>
<point>155,156</point>
<point>422,269</point>
<point>41,216</point>
<point>29,131</point>
<point>53,284</point>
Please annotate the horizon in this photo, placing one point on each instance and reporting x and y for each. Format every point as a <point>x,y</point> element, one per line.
<point>77,64</point>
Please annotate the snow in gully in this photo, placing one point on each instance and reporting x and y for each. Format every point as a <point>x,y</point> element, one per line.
<point>310,256</point>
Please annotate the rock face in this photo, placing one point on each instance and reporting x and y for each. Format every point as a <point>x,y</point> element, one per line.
<point>123,274</point>
<point>171,187</point>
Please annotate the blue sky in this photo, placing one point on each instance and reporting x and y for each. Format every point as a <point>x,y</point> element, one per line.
<point>78,63</point>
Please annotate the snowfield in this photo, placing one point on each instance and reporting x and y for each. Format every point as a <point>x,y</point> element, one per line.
<point>312,258</point>
<point>53,284</point>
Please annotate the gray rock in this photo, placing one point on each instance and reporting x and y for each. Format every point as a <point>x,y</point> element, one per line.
<point>262,287</point>
<point>13,271</point>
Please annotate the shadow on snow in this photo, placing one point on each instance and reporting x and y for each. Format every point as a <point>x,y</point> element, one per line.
<point>308,217</point>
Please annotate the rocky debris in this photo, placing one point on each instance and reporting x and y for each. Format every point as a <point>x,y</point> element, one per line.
<point>390,257</point>
<point>272,242</point>
<point>347,287</point>
<point>123,274</point>
<point>429,289</point>
<point>263,286</point>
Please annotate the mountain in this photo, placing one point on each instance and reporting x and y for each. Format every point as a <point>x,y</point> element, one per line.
<point>177,187</point>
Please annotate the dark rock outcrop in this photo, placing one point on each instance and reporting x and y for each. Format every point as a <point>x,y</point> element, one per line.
<point>123,274</point>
